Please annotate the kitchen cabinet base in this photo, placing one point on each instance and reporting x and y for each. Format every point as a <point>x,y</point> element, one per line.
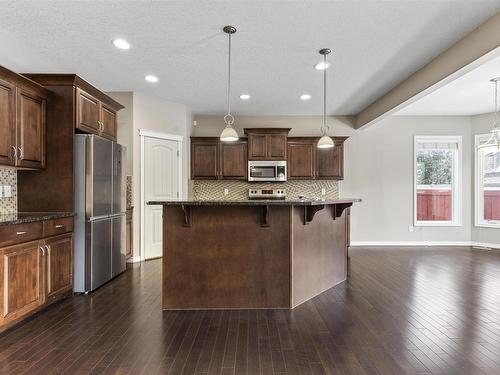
<point>226,258</point>
<point>50,301</point>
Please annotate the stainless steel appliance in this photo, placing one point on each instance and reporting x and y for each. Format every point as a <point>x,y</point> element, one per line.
<point>271,171</point>
<point>266,193</point>
<point>100,248</point>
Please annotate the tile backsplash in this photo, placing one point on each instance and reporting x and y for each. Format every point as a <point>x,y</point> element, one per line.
<point>210,189</point>
<point>8,176</point>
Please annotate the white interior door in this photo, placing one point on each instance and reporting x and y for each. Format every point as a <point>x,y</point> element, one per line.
<point>161,182</point>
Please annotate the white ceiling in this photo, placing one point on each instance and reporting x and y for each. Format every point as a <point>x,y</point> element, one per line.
<point>376,44</point>
<point>470,94</point>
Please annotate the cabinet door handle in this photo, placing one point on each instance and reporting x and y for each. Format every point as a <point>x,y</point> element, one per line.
<point>20,233</point>
<point>43,250</point>
<point>13,154</point>
<point>48,249</point>
<point>59,226</point>
<point>20,152</point>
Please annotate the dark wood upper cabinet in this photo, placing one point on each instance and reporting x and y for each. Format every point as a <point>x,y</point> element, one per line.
<point>108,120</point>
<point>301,159</point>
<point>257,146</point>
<point>205,159</point>
<point>95,112</point>
<point>93,116</point>
<point>331,161</point>
<point>7,123</point>
<point>212,159</point>
<point>22,121</point>
<point>276,148</point>
<point>31,109</point>
<point>306,161</point>
<point>87,112</point>
<point>267,143</point>
<point>233,160</point>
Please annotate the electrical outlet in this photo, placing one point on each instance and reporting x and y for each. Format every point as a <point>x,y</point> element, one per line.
<point>410,228</point>
<point>7,191</point>
<point>323,191</point>
<point>226,191</point>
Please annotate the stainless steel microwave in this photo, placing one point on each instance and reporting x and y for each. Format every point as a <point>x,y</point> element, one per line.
<point>272,171</point>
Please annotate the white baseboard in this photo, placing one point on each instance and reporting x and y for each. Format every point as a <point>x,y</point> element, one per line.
<point>134,259</point>
<point>495,246</point>
<point>424,243</point>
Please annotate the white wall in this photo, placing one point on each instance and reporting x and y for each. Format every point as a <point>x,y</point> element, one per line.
<point>482,124</point>
<point>378,169</point>
<point>151,113</point>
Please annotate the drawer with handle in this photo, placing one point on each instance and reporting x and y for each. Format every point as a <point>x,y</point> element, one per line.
<point>19,233</point>
<point>57,226</point>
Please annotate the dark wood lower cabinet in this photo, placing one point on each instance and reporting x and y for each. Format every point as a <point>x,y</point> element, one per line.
<point>22,281</point>
<point>59,263</point>
<point>33,275</point>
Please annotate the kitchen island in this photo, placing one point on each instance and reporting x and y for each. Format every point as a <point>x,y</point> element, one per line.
<point>252,253</point>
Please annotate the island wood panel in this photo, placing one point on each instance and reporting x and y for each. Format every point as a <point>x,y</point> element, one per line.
<point>226,259</point>
<point>319,252</point>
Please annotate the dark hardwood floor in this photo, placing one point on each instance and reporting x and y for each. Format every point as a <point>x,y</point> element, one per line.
<point>403,311</point>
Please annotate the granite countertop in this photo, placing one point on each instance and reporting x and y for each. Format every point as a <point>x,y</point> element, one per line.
<point>30,217</point>
<point>255,202</point>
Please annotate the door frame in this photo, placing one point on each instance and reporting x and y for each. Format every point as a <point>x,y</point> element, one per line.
<point>143,134</point>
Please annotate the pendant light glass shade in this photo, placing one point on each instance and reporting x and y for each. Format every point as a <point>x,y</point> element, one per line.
<point>229,133</point>
<point>325,141</point>
<point>493,143</point>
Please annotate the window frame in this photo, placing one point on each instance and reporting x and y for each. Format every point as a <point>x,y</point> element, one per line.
<point>456,209</point>
<point>478,187</point>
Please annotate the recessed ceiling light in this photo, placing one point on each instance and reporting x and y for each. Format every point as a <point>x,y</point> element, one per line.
<point>321,66</point>
<point>244,96</point>
<point>121,44</point>
<point>305,97</point>
<point>151,78</point>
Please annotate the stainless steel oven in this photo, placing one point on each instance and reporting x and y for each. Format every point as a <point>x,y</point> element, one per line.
<point>271,171</point>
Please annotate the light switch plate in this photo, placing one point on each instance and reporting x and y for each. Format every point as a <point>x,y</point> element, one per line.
<point>7,191</point>
<point>226,191</point>
<point>410,228</point>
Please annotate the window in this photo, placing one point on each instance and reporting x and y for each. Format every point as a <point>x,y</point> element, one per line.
<point>437,180</point>
<point>487,184</point>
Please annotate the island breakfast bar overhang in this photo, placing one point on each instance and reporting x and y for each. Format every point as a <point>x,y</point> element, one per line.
<point>252,254</point>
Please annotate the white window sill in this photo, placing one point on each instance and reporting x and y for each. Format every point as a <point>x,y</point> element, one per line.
<point>437,224</point>
<point>488,225</point>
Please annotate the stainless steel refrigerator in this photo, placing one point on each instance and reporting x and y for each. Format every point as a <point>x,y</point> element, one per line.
<point>100,248</point>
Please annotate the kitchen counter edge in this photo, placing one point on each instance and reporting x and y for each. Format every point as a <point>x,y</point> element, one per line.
<point>31,217</point>
<point>256,202</point>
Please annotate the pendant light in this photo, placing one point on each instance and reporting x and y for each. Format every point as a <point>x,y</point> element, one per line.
<point>229,134</point>
<point>325,141</point>
<point>494,141</point>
